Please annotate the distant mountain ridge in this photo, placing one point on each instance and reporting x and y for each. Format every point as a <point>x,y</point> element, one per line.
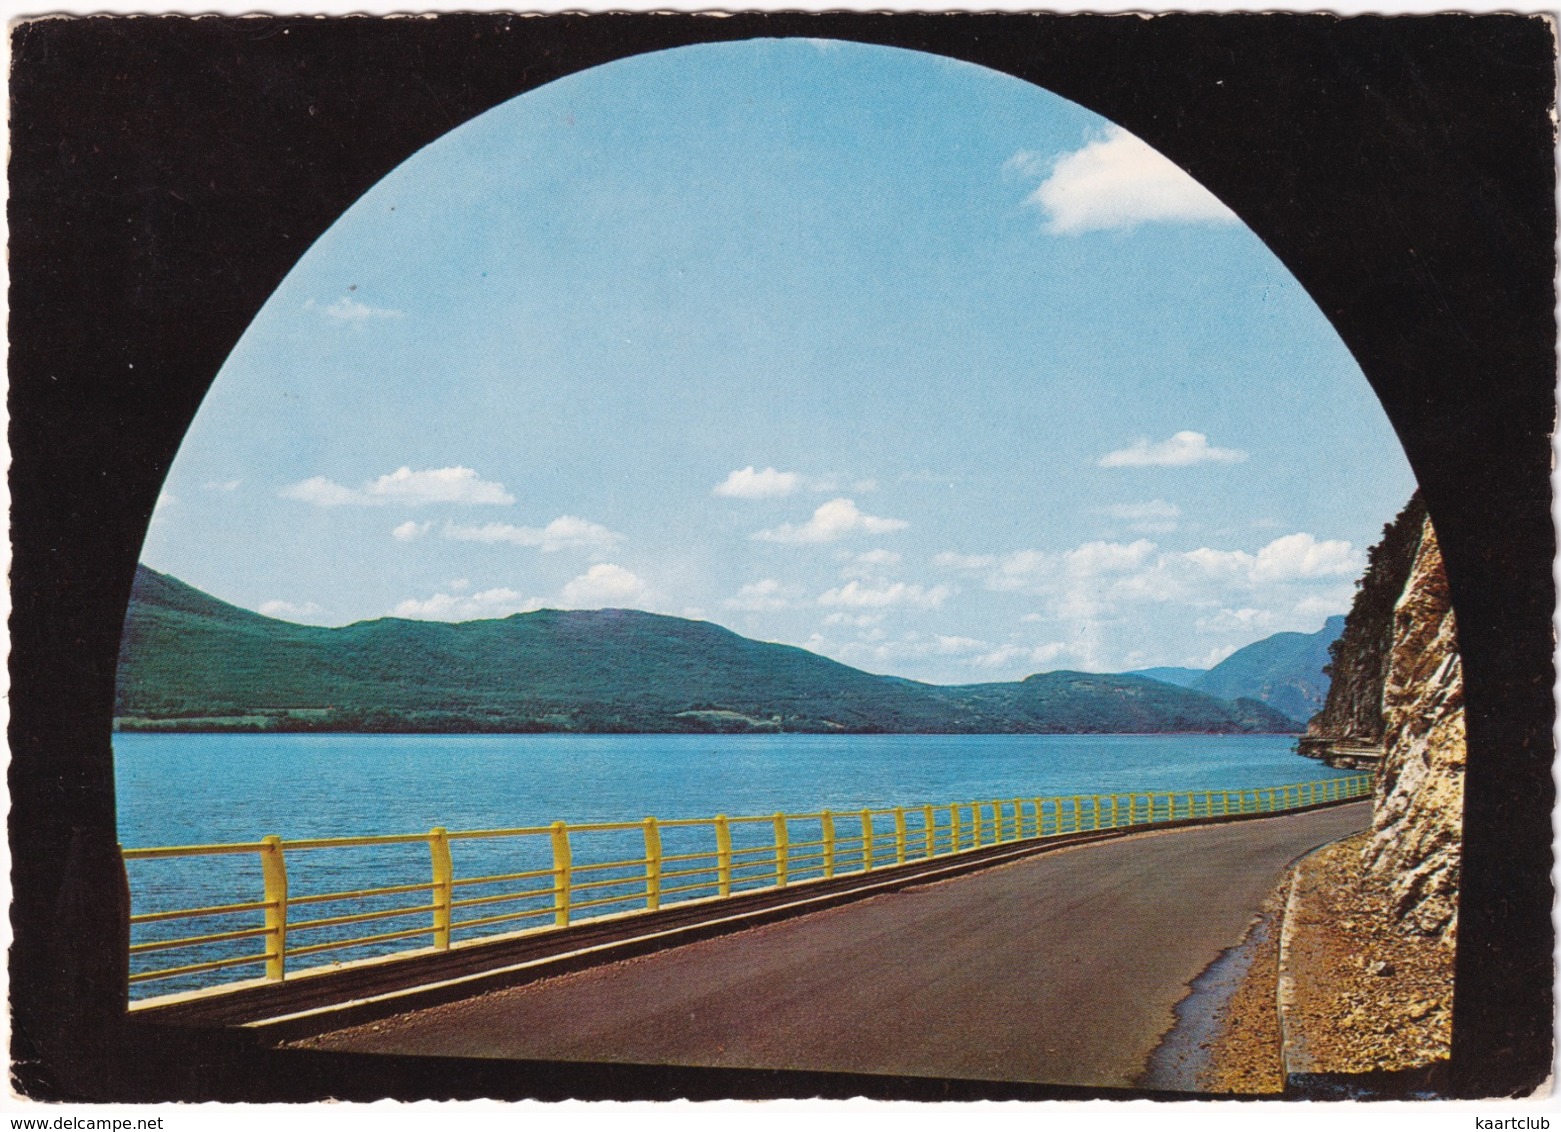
<point>189,661</point>
<point>1181,677</point>
<point>1287,671</point>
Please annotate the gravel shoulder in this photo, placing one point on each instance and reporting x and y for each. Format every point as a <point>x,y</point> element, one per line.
<point>1366,996</point>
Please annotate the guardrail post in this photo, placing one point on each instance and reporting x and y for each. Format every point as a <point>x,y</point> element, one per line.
<point>899,835</point>
<point>782,843</point>
<point>273,871</point>
<point>975,825</point>
<point>723,856</point>
<point>1040,817</point>
<point>652,865</point>
<point>443,887</point>
<point>954,831</point>
<point>827,827</point>
<point>867,841</point>
<point>563,869</point>
<point>930,830</point>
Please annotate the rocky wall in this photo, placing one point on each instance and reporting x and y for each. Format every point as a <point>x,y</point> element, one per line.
<point>1415,849</point>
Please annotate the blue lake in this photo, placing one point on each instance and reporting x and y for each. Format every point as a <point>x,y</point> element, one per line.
<point>204,789</point>
<point>188,789</point>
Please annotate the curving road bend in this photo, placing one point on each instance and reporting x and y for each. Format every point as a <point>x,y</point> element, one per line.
<point>1061,968</point>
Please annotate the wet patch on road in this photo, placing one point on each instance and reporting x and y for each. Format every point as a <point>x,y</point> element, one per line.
<point>1184,1060</point>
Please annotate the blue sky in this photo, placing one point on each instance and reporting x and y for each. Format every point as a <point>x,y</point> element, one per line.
<point>869,351</point>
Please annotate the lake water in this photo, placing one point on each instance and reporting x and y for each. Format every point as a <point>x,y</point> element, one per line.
<point>203,789</point>
<point>192,789</point>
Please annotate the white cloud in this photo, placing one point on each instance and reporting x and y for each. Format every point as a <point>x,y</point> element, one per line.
<point>833,520</point>
<point>876,648</point>
<point>1026,163</point>
<point>763,596</point>
<point>1118,181</point>
<point>350,311</point>
<point>1302,556</point>
<point>605,585</point>
<point>1038,570</point>
<point>1155,517</point>
<point>1314,609</point>
<point>436,485</point>
<point>878,557</point>
<point>562,533</point>
<point>321,492</point>
<point>402,486</point>
<point>869,564</point>
<point>855,595</point>
<point>1289,558</point>
<point>409,530</point>
<point>1245,620</point>
<point>498,602</point>
<point>1094,558</point>
<point>288,609</point>
<point>855,620</point>
<point>1006,656</point>
<point>1182,450</point>
<point>746,483</point>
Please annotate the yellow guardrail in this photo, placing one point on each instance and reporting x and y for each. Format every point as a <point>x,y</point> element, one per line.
<point>573,872</point>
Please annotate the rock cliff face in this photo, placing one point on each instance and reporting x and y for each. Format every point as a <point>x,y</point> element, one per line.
<point>1417,824</point>
<point>1359,660</point>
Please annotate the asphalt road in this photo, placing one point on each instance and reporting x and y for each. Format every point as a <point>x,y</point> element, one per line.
<point>1061,968</point>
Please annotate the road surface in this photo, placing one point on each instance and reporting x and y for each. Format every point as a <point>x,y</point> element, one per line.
<point>1061,968</point>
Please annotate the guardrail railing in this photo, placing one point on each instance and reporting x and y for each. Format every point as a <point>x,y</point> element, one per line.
<point>283,901</point>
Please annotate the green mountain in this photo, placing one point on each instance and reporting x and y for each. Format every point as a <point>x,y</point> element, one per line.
<point>191,662</point>
<point>1284,671</point>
